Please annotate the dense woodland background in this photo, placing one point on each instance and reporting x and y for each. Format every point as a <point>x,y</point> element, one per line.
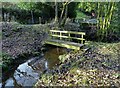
<point>106,13</point>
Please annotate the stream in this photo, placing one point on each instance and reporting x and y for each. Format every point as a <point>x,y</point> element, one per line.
<point>27,73</point>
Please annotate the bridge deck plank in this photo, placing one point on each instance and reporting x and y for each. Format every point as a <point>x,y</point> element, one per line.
<point>67,44</point>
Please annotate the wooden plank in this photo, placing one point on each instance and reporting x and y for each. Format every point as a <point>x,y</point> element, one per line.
<point>63,44</point>
<point>71,32</point>
<point>60,35</point>
<point>82,40</point>
<point>66,42</point>
<point>68,37</point>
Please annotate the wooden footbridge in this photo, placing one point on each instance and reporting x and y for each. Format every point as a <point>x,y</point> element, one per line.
<point>68,39</point>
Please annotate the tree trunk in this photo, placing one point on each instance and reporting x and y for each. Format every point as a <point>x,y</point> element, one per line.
<point>65,17</point>
<point>62,12</point>
<point>56,11</point>
<point>32,17</point>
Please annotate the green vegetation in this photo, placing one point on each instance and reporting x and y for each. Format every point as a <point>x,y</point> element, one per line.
<point>80,15</point>
<point>107,14</point>
<point>7,61</point>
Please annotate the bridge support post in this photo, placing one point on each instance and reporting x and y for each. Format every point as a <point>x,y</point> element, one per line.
<point>69,36</point>
<point>60,35</point>
<point>82,40</point>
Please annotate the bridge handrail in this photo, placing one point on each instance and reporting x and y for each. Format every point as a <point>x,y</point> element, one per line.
<point>67,32</point>
<point>71,32</point>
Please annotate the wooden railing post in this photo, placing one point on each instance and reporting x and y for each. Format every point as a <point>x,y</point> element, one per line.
<point>60,35</point>
<point>69,36</point>
<point>51,35</point>
<point>82,38</point>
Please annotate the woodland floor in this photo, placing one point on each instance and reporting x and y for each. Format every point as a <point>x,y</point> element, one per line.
<point>18,39</point>
<point>98,66</point>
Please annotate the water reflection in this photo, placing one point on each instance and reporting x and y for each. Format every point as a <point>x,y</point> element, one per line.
<point>29,72</point>
<point>52,56</point>
<point>24,75</point>
<point>46,65</point>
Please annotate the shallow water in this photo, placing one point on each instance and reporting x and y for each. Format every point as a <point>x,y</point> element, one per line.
<point>27,73</point>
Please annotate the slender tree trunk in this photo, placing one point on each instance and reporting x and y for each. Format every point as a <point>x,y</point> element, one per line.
<point>61,16</point>
<point>32,17</point>
<point>65,17</point>
<point>56,11</point>
<point>66,12</point>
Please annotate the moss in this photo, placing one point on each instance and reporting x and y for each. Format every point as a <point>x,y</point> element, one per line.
<point>62,58</point>
<point>7,60</point>
<point>74,69</point>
